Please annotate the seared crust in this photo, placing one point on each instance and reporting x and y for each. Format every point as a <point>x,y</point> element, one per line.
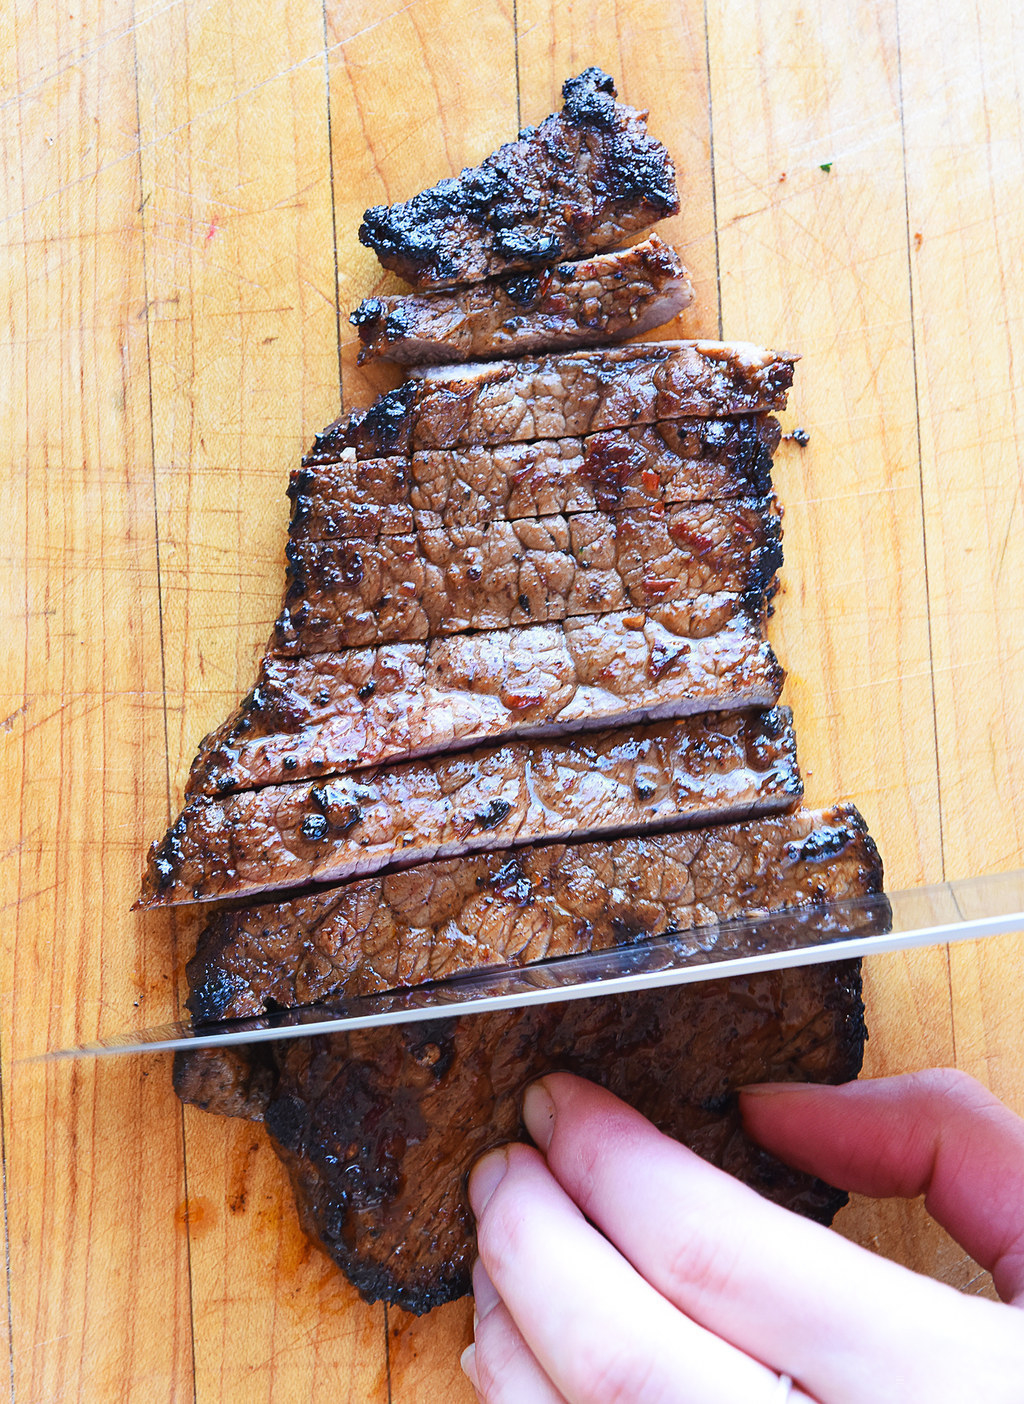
<point>379,1129</point>
<point>550,397</point>
<point>674,461</point>
<point>604,298</point>
<point>340,711</point>
<point>438,919</point>
<point>694,771</point>
<point>448,580</point>
<point>583,180</point>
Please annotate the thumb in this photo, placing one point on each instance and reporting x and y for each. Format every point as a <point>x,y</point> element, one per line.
<point>937,1133</point>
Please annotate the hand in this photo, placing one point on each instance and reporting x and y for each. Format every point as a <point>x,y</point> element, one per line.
<point>690,1288</point>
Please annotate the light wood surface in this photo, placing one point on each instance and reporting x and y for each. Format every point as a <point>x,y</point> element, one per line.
<point>182,186</point>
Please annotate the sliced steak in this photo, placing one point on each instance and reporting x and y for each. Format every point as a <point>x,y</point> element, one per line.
<point>695,771</point>
<point>342,711</point>
<point>447,580</point>
<point>379,1129</point>
<point>583,180</point>
<point>604,298</point>
<point>437,919</point>
<point>673,461</point>
<point>550,397</point>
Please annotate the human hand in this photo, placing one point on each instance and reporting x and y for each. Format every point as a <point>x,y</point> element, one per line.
<point>692,1289</point>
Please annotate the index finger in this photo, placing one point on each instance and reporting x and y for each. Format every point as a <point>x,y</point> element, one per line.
<point>938,1133</point>
<point>848,1325</point>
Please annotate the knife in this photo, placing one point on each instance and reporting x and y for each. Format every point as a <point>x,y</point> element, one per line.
<point>922,916</point>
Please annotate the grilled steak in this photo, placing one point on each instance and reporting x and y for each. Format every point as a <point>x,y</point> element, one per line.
<point>676,460</point>
<point>341,711</point>
<point>378,1129</point>
<point>447,580</point>
<point>716,766</point>
<point>604,298</point>
<point>550,397</point>
<point>583,180</point>
<point>435,920</point>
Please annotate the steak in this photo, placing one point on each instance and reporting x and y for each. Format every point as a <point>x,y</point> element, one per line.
<point>447,580</point>
<point>379,1128</point>
<point>340,711</point>
<point>583,180</point>
<point>604,298</point>
<point>550,397</point>
<point>694,771</point>
<point>433,921</point>
<point>675,460</point>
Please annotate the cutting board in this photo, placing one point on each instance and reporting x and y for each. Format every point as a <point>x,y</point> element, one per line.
<point>183,184</point>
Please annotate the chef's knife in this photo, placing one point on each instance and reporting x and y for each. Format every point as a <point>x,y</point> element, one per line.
<point>923,916</point>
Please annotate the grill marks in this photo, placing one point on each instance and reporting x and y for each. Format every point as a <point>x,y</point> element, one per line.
<point>435,920</point>
<point>605,298</point>
<point>694,771</point>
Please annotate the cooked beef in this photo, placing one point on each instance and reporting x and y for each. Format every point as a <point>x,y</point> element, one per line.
<point>447,580</point>
<point>695,771</point>
<point>604,298</point>
<point>549,397</point>
<point>378,1129</point>
<point>437,919</point>
<point>583,180</point>
<point>675,460</point>
<point>341,711</point>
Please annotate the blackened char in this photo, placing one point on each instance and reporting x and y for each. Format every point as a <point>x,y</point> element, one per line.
<point>438,919</point>
<point>583,180</point>
<point>673,461</point>
<point>379,1129</point>
<point>550,397</point>
<point>604,298</point>
<point>448,580</point>
<point>341,711</point>
<point>695,771</point>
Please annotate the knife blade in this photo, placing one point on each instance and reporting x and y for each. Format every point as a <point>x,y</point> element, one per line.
<point>951,911</point>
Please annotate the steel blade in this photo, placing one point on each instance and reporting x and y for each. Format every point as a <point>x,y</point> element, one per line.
<point>923,916</point>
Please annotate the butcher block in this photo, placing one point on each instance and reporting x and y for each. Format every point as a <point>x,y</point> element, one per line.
<point>183,183</point>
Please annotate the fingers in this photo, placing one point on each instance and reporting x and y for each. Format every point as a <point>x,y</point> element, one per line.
<point>846,1324</point>
<point>600,1333</point>
<point>501,1366</point>
<point>937,1133</point>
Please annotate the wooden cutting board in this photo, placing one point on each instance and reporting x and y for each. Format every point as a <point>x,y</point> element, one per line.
<point>183,183</point>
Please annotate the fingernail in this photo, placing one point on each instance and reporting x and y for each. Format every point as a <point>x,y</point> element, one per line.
<point>772,1089</point>
<point>468,1362</point>
<point>539,1114</point>
<point>485,1177</point>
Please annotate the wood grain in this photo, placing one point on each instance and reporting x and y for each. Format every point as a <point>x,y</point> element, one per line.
<point>182,187</point>
<point>82,746</point>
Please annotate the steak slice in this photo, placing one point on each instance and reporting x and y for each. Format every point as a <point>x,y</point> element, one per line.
<point>448,580</point>
<point>433,921</point>
<point>716,766</point>
<point>379,1128</point>
<point>550,397</point>
<point>604,298</point>
<point>341,711</point>
<point>675,460</point>
<point>583,180</point>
